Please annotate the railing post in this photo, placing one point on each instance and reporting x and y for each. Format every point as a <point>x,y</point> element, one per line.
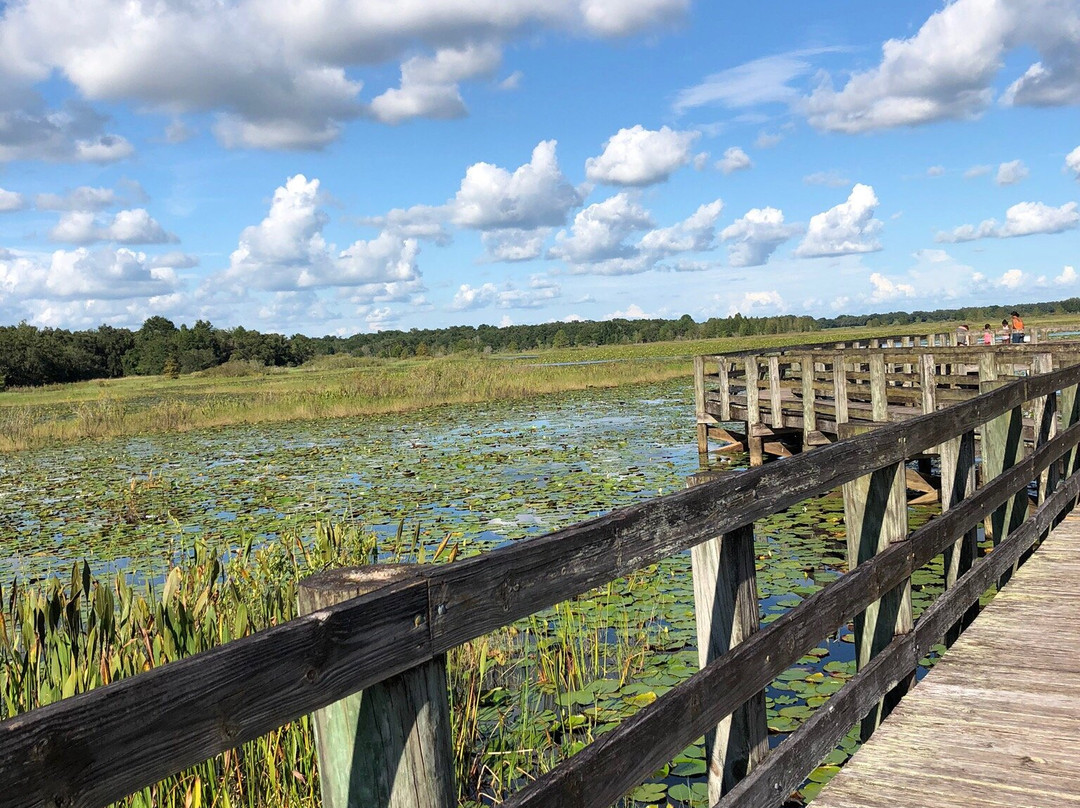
<point>875,514</point>
<point>755,444</point>
<point>840,401</point>
<point>725,389</point>
<point>390,745</point>
<point>1002,448</point>
<point>726,606</point>
<point>776,404</point>
<point>699,406</point>
<point>806,362</point>
<point>1045,412</point>
<point>1070,414</point>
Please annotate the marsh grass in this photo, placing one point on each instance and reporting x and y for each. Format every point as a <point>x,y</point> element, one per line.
<point>344,386</point>
<point>514,714</point>
<point>69,413</point>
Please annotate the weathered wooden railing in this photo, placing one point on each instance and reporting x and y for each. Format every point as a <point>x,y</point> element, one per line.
<point>816,391</point>
<point>96,747</point>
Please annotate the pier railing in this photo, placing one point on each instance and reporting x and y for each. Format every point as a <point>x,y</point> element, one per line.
<point>825,392</point>
<point>95,748</point>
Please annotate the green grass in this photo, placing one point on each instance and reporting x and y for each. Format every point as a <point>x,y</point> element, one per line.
<point>346,386</point>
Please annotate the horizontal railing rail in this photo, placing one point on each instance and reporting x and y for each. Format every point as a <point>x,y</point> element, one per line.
<point>97,747</point>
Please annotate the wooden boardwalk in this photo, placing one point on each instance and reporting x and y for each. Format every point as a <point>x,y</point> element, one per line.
<point>997,720</point>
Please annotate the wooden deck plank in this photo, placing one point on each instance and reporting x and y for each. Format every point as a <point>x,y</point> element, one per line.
<point>997,721</point>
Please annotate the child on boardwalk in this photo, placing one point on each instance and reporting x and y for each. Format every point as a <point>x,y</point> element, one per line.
<point>988,335</point>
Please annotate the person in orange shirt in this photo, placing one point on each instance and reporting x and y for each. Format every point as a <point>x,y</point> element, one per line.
<point>1017,327</point>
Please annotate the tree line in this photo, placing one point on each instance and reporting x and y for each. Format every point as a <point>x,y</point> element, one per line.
<point>32,356</point>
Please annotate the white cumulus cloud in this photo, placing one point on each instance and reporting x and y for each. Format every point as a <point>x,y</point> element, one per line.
<point>848,228</point>
<point>755,237</point>
<point>734,159</point>
<point>640,156</point>
<point>1072,162</point>
<point>11,201</point>
<point>694,234</point>
<point>885,289</point>
<point>1011,173</point>
<point>429,85</point>
<point>287,251</point>
<point>757,304</point>
<point>134,226</point>
<point>1067,277</point>
<point>1022,219</point>
<point>534,195</point>
<point>599,231</point>
<point>948,68</point>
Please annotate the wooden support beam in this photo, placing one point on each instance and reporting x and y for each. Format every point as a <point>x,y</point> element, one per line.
<point>1044,409</point>
<point>726,607</point>
<point>753,411</point>
<point>775,393</point>
<point>725,389</point>
<point>806,363</point>
<point>840,394</point>
<point>388,745</point>
<point>699,406</point>
<point>957,484</point>
<point>875,515</point>
<point>1002,448</point>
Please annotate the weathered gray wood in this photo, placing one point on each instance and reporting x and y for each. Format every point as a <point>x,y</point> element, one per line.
<point>388,746</point>
<point>1002,448</point>
<point>1014,742</point>
<point>788,765</point>
<point>928,382</point>
<point>660,730</point>
<point>700,413</point>
<point>725,389</point>
<point>806,363</point>
<point>840,388</point>
<point>172,717</point>
<point>753,412</point>
<point>875,515</point>
<point>726,608</point>
<point>775,405</point>
<point>1044,409</point>
<point>878,394</point>
<point>957,457</point>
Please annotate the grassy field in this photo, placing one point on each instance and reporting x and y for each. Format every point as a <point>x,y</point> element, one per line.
<point>345,386</point>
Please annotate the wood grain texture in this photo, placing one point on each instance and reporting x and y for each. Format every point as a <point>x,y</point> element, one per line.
<point>786,767</point>
<point>160,722</point>
<point>147,727</point>
<point>656,733</point>
<point>389,745</point>
<point>726,611</point>
<point>1015,742</point>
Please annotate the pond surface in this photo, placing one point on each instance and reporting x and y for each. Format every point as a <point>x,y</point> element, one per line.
<point>485,473</point>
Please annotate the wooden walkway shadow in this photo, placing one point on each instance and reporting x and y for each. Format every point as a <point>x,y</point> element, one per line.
<point>997,720</point>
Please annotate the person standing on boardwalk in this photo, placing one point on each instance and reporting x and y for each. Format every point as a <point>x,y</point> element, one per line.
<point>1017,327</point>
<point>988,335</point>
<point>963,334</point>
<point>1006,331</point>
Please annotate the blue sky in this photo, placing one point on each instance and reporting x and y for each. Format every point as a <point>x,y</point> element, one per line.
<point>332,167</point>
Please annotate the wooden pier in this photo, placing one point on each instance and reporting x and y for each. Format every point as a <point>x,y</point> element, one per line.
<point>778,402</point>
<point>997,720</point>
<point>386,630</point>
